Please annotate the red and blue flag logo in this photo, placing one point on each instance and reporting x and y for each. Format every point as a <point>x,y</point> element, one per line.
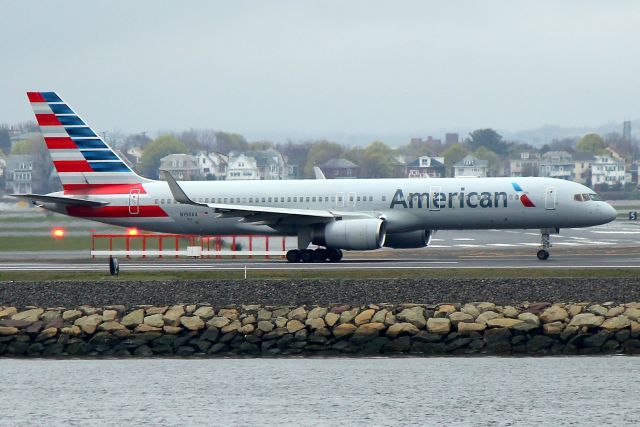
<point>526,201</point>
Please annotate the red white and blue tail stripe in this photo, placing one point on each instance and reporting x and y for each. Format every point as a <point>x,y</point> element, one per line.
<point>83,161</point>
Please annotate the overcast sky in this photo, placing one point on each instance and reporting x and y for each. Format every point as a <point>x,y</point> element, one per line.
<point>320,68</point>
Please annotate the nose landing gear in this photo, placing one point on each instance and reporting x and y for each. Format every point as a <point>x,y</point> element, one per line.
<point>545,242</point>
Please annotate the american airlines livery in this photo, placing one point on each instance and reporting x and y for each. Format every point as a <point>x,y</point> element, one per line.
<point>349,214</point>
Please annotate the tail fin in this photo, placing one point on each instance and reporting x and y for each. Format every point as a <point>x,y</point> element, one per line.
<point>83,161</point>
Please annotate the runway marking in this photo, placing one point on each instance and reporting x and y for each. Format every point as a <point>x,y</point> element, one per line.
<point>615,232</point>
<point>502,245</point>
<point>469,246</point>
<point>463,239</point>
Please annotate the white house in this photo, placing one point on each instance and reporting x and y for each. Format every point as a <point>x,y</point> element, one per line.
<point>557,164</point>
<point>212,164</point>
<point>181,166</point>
<point>242,166</point>
<point>607,170</point>
<point>471,166</point>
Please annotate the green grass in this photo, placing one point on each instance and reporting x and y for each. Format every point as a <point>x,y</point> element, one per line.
<point>473,273</point>
<point>45,243</point>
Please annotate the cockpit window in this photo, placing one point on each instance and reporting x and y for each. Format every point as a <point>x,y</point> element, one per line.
<point>579,197</point>
<point>595,197</point>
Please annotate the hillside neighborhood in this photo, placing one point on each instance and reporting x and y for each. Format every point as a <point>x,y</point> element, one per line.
<point>608,163</point>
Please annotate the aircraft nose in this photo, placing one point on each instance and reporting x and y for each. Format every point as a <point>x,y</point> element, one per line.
<point>608,212</point>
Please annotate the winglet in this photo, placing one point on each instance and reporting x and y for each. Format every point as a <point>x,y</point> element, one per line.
<point>318,172</point>
<point>178,193</point>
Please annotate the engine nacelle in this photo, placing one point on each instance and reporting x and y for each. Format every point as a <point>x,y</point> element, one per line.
<point>351,234</point>
<point>409,239</point>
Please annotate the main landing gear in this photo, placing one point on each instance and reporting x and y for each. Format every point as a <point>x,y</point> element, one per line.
<point>545,243</point>
<point>317,255</point>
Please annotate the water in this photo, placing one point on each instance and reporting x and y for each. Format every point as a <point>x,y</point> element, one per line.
<point>405,391</point>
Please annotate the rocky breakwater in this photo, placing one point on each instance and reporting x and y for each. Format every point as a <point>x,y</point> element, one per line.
<point>205,330</point>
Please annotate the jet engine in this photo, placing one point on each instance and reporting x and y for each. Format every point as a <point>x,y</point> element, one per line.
<point>409,239</point>
<point>351,234</point>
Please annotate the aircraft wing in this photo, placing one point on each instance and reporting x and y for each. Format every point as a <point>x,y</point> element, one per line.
<point>264,214</point>
<point>70,201</point>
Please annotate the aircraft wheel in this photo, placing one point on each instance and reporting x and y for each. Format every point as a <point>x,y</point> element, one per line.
<point>307,255</point>
<point>294,255</point>
<point>334,255</point>
<point>543,254</point>
<point>320,255</point>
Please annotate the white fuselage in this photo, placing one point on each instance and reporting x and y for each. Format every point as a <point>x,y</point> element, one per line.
<point>405,204</point>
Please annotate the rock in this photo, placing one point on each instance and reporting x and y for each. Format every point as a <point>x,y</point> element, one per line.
<point>615,311</point>
<point>190,308</point>
<point>142,328</point>
<point>33,328</point>
<point>47,334</point>
<point>574,309</point>
<point>218,322</point>
<point>317,313</point>
<point>485,316</point>
<point>108,315</point>
<point>401,328</point>
<point>192,323</point>
<point>349,315</point>
<point>155,310</point>
<point>539,342</point>
<point>17,323</point>
<point>204,312</point>
<point>246,329</point>
<point>9,311</point>
<point>438,326</point>
<point>446,309</point>
<point>280,312</point>
<point>589,320</point>
<point>369,329</point>
<point>8,330</point>
<point>380,316</point>
<point>172,330</point>
<point>468,327</point>
<point>509,311</point>
<point>554,313</point>
<point>211,334</point>
<point>471,310</point>
<point>389,319</point>
<point>73,331</point>
<point>331,318</point>
<point>299,314</point>
<point>415,316</point>
<point>229,313</point>
<point>503,322</point>
<point>251,319</point>
<point>339,309</point>
<point>485,306</point>
<point>597,309</point>
<point>596,340</point>
<point>632,313</point>
<point>364,317</point>
<point>494,335</point>
<point>172,316</point>
<point>110,326</point>
<point>154,320</point>
<point>553,328</point>
<point>315,323</point>
<point>615,323</point>
<point>459,317</point>
<point>231,327</point>
<point>50,315</point>
<point>265,326</point>
<point>264,315</point>
<point>144,350</point>
<point>529,318</point>
<point>28,315</point>
<point>294,326</point>
<point>635,329</point>
<point>88,324</point>
<point>280,322</point>
<point>343,330</point>
<point>132,319</point>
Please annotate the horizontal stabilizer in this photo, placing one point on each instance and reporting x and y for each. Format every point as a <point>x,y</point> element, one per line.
<point>69,201</point>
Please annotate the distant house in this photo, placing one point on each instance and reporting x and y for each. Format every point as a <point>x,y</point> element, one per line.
<point>270,163</point>
<point>608,170</point>
<point>426,167</point>
<point>557,164</point>
<point>582,168</point>
<point>471,166</point>
<point>134,154</point>
<point>340,168</point>
<point>242,166</point>
<point>212,165</point>
<point>19,174</point>
<point>525,164</point>
<point>181,166</point>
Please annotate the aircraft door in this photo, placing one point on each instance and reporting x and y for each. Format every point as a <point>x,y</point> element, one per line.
<point>433,191</point>
<point>550,198</point>
<point>351,199</point>
<point>134,201</point>
<point>339,200</point>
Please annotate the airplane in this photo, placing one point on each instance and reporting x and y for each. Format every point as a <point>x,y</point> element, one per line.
<point>335,215</point>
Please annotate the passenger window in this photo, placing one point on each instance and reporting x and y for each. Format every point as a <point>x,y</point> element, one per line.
<point>156,201</point>
<point>358,199</point>
<point>339,198</point>
<point>308,199</point>
<point>313,199</point>
<point>384,198</point>
<point>264,199</point>
<point>289,199</point>
<point>269,199</point>
<point>351,198</point>
<point>333,198</point>
<point>226,200</point>
<point>295,199</point>
<point>282,199</point>
<point>162,201</point>
<point>371,198</point>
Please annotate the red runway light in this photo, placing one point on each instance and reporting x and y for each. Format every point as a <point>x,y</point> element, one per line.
<point>58,233</point>
<point>132,231</point>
